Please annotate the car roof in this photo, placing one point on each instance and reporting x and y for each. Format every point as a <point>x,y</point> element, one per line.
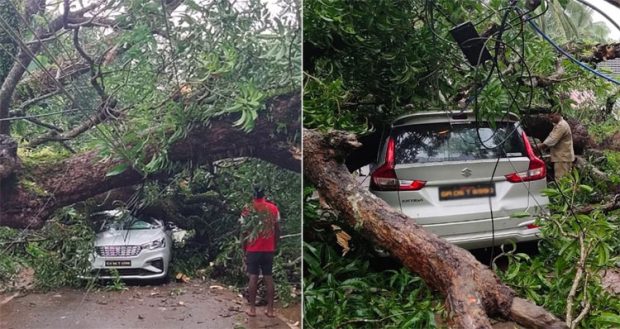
<point>444,116</point>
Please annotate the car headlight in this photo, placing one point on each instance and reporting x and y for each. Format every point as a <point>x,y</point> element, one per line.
<point>155,244</point>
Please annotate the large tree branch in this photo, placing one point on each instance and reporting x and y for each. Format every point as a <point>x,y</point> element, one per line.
<point>84,175</point>
<point>473,292</point>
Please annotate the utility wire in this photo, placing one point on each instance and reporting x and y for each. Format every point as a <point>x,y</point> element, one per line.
<point>571,57</point>
<point>38,115</point>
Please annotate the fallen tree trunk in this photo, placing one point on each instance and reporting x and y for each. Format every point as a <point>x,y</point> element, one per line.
<point>473,292</point>
<point>84,175</point>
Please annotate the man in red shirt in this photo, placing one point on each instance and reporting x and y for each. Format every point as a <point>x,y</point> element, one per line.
<point>259,240</point>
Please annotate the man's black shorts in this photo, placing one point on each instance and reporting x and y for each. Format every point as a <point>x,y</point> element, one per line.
<point>260,260</point>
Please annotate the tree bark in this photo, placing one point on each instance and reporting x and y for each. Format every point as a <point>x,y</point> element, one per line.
<point>84,175</point>
<point>473,292</point>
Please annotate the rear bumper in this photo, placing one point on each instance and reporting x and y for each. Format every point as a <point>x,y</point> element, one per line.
<point>499,237</point>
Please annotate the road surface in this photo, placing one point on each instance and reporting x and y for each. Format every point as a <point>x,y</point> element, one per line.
<point>175,305</point>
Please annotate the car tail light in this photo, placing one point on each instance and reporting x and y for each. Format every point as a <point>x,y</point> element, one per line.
<point>531,226</point>
<point>536,170</point>
<point>384,178</point>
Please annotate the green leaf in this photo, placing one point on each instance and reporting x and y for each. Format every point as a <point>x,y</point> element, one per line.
<point>118,169</point>
<point>520,214</point>
<point>609,318</point>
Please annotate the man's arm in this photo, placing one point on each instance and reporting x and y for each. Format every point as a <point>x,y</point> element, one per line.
<point>554,137</point>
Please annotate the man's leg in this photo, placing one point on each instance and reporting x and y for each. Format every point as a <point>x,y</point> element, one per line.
<point>561,169</point>
<point>270,293</point>
<point>267,267</point>
<point>253,268</point>
<point>252,286</point>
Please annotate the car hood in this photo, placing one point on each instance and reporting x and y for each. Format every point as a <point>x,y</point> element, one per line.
<point>131,237</point>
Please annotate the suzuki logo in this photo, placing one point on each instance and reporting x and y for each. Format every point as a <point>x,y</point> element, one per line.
<point>466,172</point>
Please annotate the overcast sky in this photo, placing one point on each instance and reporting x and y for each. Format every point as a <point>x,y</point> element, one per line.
<point>611,11</point>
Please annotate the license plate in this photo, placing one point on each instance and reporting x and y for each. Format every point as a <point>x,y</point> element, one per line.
<point>117,263</point>
<point>455,192</point>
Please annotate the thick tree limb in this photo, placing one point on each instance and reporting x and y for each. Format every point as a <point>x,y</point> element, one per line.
<point>84,175</point>
<point>473,292</point>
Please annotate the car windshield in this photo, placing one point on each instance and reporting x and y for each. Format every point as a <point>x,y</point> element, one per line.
<point>122,221</point>
<point>440,142</point>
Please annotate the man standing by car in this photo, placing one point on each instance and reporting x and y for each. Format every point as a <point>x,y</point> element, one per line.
<point>260,235</point>
<point>560,143</point>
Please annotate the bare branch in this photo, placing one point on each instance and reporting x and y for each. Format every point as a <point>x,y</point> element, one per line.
<point>44,125</point>
<point>31,102</point>
<point>91,64</point>
<point>26,54</point>
<point>576,281</point>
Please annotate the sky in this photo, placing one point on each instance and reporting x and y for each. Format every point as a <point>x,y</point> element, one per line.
<point>611,11</point>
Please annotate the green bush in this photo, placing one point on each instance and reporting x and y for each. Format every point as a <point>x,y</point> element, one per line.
<point>547,278</point>
<point>58,253</point>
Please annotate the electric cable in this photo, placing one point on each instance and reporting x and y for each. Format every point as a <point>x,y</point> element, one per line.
<point>25,117</point>
<point>571,57</point>
<point>499,146</point>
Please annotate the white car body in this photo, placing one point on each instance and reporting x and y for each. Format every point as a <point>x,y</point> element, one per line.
<point>444,180</point>
<point>141,252</point>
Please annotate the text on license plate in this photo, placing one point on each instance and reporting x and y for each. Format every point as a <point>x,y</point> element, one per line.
<point>466,191</point>
<point>117,263</point>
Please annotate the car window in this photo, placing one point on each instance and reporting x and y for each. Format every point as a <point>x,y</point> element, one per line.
<point>141,225</point>
<point>440,142</point>
<point>106,222</point>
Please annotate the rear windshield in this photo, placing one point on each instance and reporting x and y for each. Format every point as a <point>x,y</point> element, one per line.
<point>457,142</point>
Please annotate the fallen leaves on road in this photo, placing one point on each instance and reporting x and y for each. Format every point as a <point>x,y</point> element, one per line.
<point>182,277</point>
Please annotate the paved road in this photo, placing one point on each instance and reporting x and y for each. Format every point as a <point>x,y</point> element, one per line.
<point>191,305</point>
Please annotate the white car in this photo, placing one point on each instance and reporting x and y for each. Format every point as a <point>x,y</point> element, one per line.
<point>130,247</point>
<point>452,175</point>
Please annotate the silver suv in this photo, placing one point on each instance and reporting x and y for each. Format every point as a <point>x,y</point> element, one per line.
<point>452,175</point>
<point>130,247</point>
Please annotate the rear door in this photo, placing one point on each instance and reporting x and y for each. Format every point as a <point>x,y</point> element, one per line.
<point>464,165</point>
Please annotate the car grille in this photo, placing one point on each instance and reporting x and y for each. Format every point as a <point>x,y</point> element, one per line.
<point>118,251</point>
<point>122,272</point>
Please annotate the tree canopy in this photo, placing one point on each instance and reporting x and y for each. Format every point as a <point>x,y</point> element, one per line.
<point>121,91</point>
